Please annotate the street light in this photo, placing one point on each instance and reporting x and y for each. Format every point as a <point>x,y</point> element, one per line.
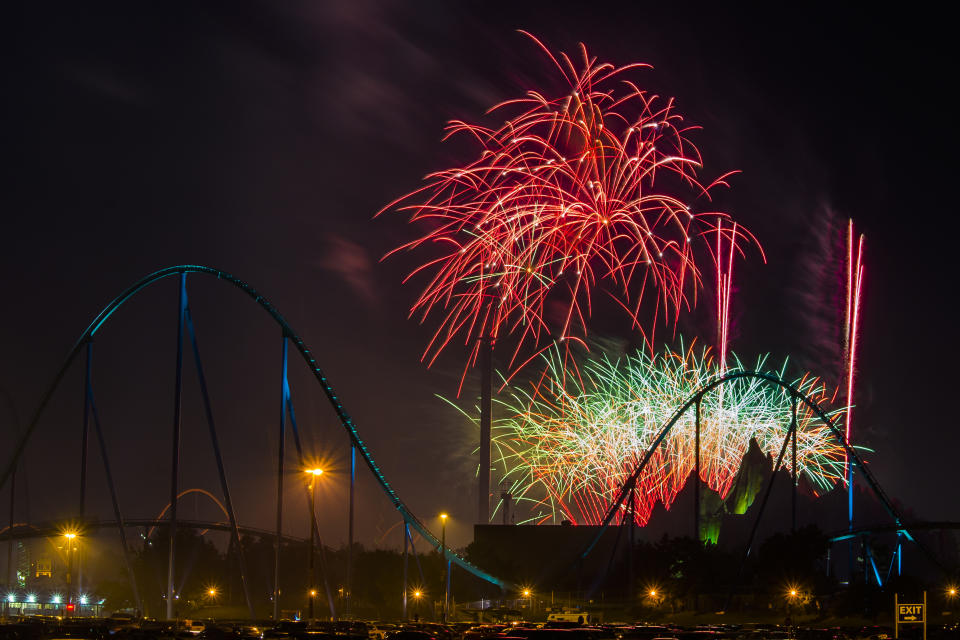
<point>312,475</point>
<point>446,569</point>
<point>654,596</point>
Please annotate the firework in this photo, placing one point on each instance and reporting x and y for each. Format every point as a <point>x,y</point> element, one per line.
<point>568,441</point>
<point>592,187</point>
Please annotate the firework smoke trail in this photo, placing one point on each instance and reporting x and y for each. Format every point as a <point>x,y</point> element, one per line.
<point>592,188</point>
<point>569,440</point>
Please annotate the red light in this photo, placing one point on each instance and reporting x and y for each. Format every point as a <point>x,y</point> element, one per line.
<point>71,607</point>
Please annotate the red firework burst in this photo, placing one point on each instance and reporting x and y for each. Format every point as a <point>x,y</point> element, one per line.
<point>592,189</point>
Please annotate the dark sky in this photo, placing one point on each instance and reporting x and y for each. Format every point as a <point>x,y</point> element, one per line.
<point>261,137</point>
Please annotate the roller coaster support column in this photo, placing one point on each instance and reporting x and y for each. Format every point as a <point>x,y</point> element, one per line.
<point>81,512</point>
<point>631,578</point>
<point>793,462</point>
<point>766,497</point>
<point>283,417</point>
<point>899,554</point>
<point>175,455</point>
<point>850,543</point>
<point>215,442</point>
<point>696,473</point>
<point>486,418</point>
<point>11,573</point>
<point>406,534</point>
<point>117,514</point>
<point>353,479</point>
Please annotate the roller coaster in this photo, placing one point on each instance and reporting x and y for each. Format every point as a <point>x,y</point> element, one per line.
<point>187,334</point>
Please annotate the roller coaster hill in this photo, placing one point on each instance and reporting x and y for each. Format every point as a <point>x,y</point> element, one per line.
<point>869,551</point>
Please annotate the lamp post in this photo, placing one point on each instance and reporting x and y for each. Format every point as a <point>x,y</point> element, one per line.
<point>443,557</point>
<point>69,536</point>
<point>312,592</point>
<point>416,598</point>
<point>793,597</point>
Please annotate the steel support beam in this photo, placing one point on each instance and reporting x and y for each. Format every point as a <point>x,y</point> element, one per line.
<point>175,453</point>
<point>221,471</point>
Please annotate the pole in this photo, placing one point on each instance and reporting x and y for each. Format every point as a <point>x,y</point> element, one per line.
<point>406,533</point>
<point>899,555</point>
<point>313,515</point>
<point>11,572</point>
<point>446,566</point>
<point>353,478</point>
<point>793,463</point>
<point>631,579</point>
<point>850,554</point>
<point>69,570</point>
<point>486,417</point>
<point>276,550</point>
<point>696,475</point>
<point>83,453</point>
<point>896,617</point>
<point>175,454</point>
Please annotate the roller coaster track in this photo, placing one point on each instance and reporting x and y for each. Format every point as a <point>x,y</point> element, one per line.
<point>797,396</point>
<point>350,427</point>
<point>345,420</point>
<point>856,532</point>
<point>55,529</point>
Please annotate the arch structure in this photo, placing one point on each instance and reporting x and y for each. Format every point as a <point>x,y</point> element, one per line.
<point>186,492</point>
<point>307,354</point>
<point>796,396</point>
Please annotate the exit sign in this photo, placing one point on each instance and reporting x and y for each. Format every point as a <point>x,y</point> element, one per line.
<point>910,613</point>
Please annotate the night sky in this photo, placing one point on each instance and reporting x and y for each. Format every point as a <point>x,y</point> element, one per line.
<point>261,137</point>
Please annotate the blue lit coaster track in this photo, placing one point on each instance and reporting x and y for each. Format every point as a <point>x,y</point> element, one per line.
<point>289,334</point>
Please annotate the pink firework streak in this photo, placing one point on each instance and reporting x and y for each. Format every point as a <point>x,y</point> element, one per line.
<point>854,285</point>
<point>724,291</point>
<point>590,189</point>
